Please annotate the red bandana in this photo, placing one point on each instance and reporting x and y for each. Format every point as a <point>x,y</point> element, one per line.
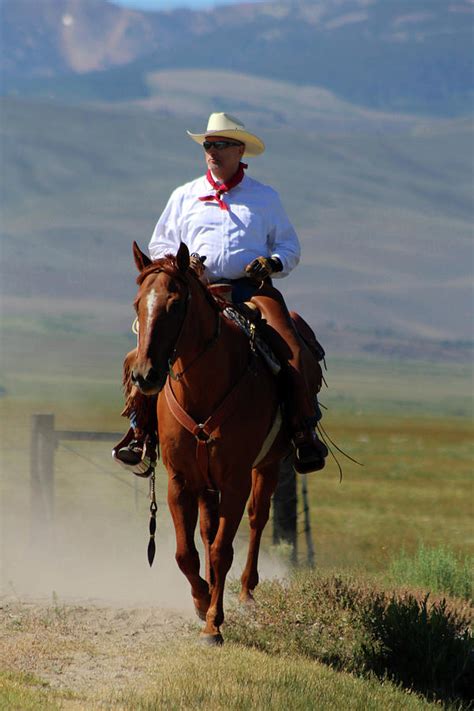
<point>224,187</point>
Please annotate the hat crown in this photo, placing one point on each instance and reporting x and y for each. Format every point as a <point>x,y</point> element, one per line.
<point>227,126</point>
<point>224,122</point>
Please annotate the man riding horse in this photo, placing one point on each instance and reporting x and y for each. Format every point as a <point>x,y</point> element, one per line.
<point>239,228</point>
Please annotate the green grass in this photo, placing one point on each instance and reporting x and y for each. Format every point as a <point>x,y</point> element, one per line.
<point>436,569</point>
<point>237,678</point>
<point>415,488</point>
<point>185,678</point>
<point>407,389</point>
<point>25,692</point>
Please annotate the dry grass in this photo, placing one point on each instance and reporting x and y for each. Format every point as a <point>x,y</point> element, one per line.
<point>112,659</point>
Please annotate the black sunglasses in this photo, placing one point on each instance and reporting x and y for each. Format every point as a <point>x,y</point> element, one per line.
<point>219,145</point>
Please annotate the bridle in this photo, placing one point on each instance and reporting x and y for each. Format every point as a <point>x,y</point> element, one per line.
<point>175,351</point>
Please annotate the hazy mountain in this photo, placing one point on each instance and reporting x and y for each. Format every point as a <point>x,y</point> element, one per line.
<point>403,55</point>
<point>44,38</point>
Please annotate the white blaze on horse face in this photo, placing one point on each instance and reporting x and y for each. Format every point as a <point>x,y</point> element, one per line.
<point>151,300</point>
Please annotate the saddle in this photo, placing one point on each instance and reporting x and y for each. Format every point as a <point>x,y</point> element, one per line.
<point>248,317</point>
<point>248,320</point>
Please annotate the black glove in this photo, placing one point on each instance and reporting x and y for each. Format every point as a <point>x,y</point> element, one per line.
<point>263,267</point>
<point>197,263</point>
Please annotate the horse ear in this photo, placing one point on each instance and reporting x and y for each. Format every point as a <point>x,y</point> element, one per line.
<point>182,258</point>
<point>141,260</point>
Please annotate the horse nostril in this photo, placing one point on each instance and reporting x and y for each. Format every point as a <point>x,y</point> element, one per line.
<point>152,376</point>
<point>145,381</point>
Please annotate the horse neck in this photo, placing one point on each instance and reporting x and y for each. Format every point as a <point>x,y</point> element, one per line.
<point>216,367</point>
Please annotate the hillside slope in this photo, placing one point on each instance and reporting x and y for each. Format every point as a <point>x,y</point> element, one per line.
<point>384,220</point>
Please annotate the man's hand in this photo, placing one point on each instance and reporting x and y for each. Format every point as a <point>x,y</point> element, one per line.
<point>263,267</point>
<point>197,264</point>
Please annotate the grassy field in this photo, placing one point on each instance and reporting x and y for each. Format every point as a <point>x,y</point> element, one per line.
<point>408,423</point>
<point>186,678</point>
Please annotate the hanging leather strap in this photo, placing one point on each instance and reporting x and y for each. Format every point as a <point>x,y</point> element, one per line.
<point>209,430</point>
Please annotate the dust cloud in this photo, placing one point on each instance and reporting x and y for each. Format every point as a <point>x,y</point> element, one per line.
<point>93,549</point>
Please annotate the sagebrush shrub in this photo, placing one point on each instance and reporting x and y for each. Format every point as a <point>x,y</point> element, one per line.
<point>351,625</point>
<point>426,647</point>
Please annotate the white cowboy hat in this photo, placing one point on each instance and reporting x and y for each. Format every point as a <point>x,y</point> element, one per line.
<point>227,126</point>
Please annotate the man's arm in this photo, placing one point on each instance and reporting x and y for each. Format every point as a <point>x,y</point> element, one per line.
<point>283,241</point>
<point>166,236</point>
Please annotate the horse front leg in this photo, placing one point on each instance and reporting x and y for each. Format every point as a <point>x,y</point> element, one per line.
<point>183,505</point>
<point>264,482</point>
<point>231,509</point>
<point>208,523</point>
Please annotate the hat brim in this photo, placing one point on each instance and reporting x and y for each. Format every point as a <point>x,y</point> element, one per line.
<point>253,145</point>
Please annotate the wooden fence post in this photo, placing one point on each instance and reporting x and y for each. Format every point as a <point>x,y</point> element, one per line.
<point>307,523</point>
<point>43,444</point>
<point>285,508</point>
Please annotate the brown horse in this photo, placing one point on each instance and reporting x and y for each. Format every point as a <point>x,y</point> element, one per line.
<point>232,441</point>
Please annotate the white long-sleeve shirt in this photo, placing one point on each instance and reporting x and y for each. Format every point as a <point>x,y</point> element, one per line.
<point>255,225</point>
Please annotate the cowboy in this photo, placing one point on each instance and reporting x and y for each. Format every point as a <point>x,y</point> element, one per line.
<point>239,228</point>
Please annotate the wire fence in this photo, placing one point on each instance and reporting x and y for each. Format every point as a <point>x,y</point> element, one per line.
<point>43,476</point>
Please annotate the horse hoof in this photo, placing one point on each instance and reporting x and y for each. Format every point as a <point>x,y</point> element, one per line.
<point>211,640</point>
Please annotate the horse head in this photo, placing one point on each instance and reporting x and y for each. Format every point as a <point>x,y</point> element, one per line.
<point>161,306</point>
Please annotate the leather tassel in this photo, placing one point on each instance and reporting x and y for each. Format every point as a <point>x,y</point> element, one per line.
<point>152,525</point>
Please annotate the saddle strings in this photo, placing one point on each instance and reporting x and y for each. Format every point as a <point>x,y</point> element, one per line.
<point>327,441</point>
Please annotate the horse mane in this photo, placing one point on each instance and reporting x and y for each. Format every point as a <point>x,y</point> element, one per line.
<point>164,264</point>
<point>168,264</point>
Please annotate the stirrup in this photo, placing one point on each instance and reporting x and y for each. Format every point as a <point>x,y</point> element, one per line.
<point>310,452</point>
<point>146,455</point>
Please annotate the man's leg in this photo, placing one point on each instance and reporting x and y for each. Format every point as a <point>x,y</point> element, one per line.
<point>310,452</point>
<point>137,449</point>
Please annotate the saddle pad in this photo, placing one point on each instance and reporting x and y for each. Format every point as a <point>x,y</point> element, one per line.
<point>259,343</point>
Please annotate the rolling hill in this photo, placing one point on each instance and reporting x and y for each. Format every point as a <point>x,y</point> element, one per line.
<point>385,221</point>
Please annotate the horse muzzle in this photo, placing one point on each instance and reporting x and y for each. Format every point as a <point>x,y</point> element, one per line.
<point>149,382</point>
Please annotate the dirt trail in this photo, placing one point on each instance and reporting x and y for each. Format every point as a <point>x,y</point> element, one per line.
<point>85,647</point>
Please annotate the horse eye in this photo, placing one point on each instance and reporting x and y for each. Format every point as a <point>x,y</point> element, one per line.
<point>174,304</point>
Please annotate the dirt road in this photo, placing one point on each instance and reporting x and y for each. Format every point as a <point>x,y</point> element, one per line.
<point>85,646</point>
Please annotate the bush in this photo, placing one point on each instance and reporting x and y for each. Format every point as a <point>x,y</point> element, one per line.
<point>425,647</point>
<point>434,569</point>
<point>355,627</point>
<point>306,615</point>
